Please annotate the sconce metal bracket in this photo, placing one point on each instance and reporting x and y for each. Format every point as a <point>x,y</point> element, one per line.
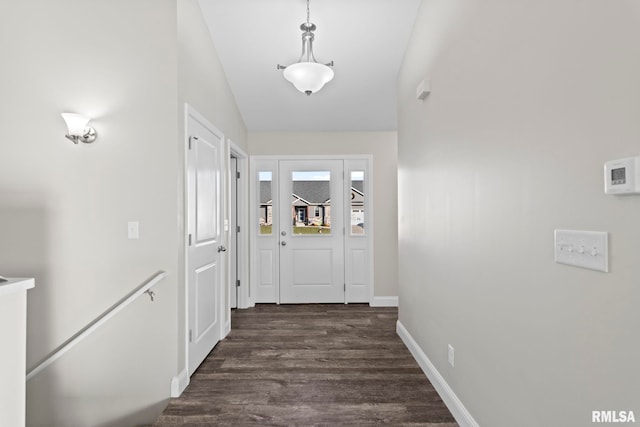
<point>87,137</point>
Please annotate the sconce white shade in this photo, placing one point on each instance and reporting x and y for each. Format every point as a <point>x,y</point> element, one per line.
<point>308,77</point>
<point>76,123</point>
<point>78,129</point>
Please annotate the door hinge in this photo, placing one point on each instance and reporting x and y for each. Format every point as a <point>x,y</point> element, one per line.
<point>345,287</point>
<point>189,239</point>
<point>237,175</point>
<point>190,335</point>
<point>237,228</point>
<point>238,283</point>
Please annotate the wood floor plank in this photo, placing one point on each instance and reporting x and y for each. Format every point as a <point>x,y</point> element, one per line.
<point>309,365</point>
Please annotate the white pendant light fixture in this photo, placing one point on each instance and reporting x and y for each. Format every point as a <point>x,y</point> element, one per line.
<point>308,75</point>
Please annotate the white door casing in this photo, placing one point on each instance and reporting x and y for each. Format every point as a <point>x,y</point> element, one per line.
<point>233,233</point>
<point>275,266</point>
<point>241,252</point>
<point>205,163</point>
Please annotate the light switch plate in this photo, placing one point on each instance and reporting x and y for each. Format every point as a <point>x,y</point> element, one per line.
<point>423,89</point>
<point>133,230</point>
<point>585,249</point>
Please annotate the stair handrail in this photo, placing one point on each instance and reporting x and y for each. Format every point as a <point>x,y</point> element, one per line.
<point>145,287</point>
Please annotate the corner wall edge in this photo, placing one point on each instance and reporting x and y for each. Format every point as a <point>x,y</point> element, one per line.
<point>455,405</point>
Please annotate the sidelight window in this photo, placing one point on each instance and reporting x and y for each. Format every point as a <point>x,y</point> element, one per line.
<point>265,202</point>
<point>357,204</point>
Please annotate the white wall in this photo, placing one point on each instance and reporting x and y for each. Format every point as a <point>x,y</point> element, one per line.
<point>529,98</point>
<point>203,85</point>
<point>202,82</point>
<point>383,147</point>
<point>131,65</point>
<point>64,208</point>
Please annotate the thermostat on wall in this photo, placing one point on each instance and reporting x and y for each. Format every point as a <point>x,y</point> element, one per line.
<point>622,176</point>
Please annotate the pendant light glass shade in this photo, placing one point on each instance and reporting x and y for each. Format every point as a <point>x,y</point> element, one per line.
<point>308,77</point>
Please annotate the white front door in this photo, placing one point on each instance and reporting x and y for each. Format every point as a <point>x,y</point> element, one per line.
<point>205,160</point>
<point>311,239</point>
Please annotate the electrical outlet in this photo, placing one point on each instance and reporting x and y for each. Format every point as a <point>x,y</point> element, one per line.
<point>451,355</point>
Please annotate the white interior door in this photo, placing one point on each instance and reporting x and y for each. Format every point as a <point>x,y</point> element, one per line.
<point>311,238</point>
<point>205,160</point>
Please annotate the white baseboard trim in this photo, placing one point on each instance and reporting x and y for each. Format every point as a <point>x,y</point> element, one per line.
<point>227,328</point>
<point>179,383</point>
<point>384,302</point>
<point>459,412</point>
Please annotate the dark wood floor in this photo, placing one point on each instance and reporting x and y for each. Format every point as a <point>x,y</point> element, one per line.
<point>308,365</point>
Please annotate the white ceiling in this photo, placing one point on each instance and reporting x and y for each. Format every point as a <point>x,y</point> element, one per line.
<point>366,39</point>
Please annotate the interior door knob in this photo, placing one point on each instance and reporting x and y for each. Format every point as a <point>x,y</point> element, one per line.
<point>222,249</point>
<point>283,243</point>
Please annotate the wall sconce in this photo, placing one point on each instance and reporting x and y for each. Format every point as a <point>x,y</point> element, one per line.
<point>78,129</point>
